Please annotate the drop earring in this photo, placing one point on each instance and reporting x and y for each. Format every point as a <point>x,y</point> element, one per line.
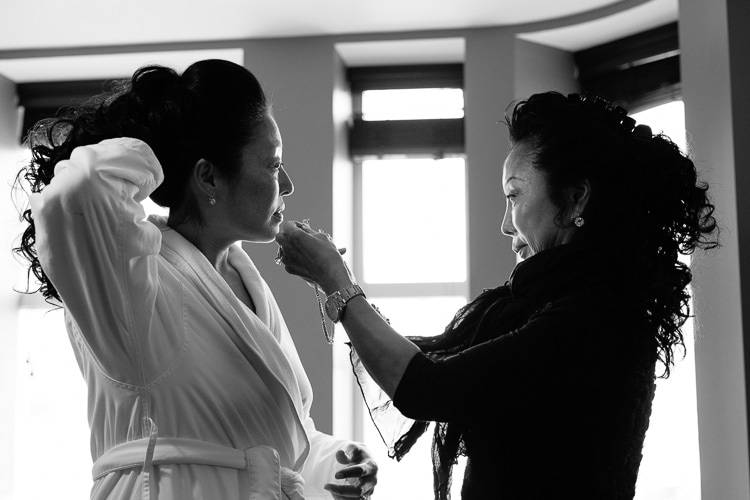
<point>578,221</point>
<point>211,200</point>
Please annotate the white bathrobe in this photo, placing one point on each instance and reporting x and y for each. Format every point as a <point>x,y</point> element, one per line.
<point>175,364</point>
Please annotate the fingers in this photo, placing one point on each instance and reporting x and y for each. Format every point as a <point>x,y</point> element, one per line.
<point>293,228</point>
<point>360,474</point>
<point>307,253</point>
<point>354,454</point>
<point>362,466</point>
<point>294,240</point>
<point>359,488</point>
<point>345,456</point>
<point>305,226</point>
<point>355,471</point>
<point>347,491</point>
<point>289,226</point>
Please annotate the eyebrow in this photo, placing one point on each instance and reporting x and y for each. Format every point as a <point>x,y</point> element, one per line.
<point>514,178</point>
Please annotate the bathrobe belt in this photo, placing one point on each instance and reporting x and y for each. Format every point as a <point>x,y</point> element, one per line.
<point>268,479</point>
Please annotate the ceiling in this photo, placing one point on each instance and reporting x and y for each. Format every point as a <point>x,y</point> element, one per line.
<point>33,34</point>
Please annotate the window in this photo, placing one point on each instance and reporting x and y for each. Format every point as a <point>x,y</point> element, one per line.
<point>413,267</point>
<point>410,251</point>
<point>638,71</point>
<point>412,104</point>
<point>50,411</point>
<point>671,459</point>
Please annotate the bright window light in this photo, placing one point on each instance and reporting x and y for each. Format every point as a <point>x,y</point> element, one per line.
<point>412,477</point>
<point>414,220</point>
<point>424,316</point>
<point>411,212</point>
<point>671,460</point>
<point>412,104</point>
<point>50,411</point>
<point>667,118</point>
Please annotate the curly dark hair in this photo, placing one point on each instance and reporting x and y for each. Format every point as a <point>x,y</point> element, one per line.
<point>645,207</point>
<point>646,203</point>
<point>209,111</point>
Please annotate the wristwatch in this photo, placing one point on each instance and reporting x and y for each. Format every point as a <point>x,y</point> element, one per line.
<point>336,302</point>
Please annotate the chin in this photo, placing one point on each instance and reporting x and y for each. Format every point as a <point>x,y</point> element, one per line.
<point>524,253</point>
<point>268,236</point>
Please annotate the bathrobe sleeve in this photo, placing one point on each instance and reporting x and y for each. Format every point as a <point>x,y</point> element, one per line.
<point>321,464</point>
<point>98,250</point>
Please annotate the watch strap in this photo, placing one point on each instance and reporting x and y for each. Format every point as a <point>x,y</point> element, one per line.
<point>341,297</point>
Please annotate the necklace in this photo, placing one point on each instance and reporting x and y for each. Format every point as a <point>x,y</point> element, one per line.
<point>328,334</point>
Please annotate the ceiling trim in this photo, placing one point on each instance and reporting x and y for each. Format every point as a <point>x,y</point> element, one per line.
<point>581,17</point>
<point>106,66</point>
<point>78,63</point>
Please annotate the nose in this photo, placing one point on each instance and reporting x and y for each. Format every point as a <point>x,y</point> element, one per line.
<point>508,228</point>
<point>286,187</point>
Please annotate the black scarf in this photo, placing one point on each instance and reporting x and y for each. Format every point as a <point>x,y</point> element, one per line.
<point>542,278</point>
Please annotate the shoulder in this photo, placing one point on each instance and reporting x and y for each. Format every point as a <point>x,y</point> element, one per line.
<point>588,312</point>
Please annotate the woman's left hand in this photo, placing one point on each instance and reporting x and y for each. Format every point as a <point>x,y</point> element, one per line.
<point>360,472</point>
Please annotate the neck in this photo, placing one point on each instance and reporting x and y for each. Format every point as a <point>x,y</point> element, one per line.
<point>215,249</point>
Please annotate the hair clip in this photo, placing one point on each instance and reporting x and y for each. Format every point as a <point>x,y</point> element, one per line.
<point>618,114</point>
<point>642,132</point>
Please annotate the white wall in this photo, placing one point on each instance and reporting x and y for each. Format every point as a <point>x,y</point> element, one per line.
<point>539,68</point>
<point>9,127</point>
<point>715,45</point>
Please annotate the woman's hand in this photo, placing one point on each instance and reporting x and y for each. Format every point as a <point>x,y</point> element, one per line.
<point>312,256</point>
<point>360,472</point>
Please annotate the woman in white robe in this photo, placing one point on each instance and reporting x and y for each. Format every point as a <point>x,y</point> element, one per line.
<point>195,386</point>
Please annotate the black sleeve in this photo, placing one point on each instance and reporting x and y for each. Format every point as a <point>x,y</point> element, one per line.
<point>514,370</point>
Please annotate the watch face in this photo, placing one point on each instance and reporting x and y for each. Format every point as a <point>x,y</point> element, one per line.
<point>332,311</point>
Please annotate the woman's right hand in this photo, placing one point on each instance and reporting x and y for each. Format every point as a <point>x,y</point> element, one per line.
<point>313,256</point>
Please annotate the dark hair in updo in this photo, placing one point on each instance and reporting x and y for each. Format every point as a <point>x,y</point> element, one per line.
<point>209,111</point>
<point>646,205</point>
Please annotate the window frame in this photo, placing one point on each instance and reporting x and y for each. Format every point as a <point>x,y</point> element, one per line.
<point>397,139</point>
<point>412,137</point>
<point>637,72</point>
<point>431,138</point>
<point>428,138</point>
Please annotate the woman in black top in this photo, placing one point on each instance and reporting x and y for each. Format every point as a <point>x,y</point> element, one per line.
<point>546,383</point>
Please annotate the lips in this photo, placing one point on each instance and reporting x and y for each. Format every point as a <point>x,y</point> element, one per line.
<point>278,214</point>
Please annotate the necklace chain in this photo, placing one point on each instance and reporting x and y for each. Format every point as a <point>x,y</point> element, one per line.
<point>328,334</point>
